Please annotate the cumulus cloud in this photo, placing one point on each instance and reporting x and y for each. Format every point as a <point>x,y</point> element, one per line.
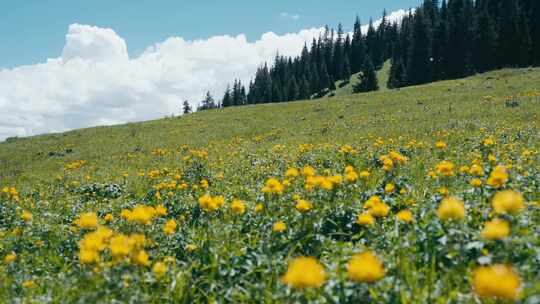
<point>290,16</point>
<point>95,82</point>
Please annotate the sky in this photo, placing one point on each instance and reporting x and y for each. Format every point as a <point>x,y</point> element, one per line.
<point>71,64</point>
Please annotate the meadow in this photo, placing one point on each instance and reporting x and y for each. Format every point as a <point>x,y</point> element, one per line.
<point>427,194</point>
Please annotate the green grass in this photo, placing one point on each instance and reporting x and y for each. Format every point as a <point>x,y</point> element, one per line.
<point>238,257</point>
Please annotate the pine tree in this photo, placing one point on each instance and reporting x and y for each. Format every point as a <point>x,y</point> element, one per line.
<point>535,32</point>
<point>525,43</point>
<point>367,79</point>
<point>398,75</point>
<point>372,44</point>
<point>186,107</point>
<point>304,90</point>
<point>293,90</point>
<point>346,70</point>
<point>419,60</point>
<point>358,48</point>
<point>277,93</point>
<point>485,41</point>
<point>440,44</point>
<point>207,103</point>
<point>227,100</point>
<point>509,36</point>
<point>338,55</point>
<point>456,50</point>
<point>324,78</point>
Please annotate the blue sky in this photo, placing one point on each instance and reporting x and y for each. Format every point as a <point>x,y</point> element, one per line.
<point>33,30</point>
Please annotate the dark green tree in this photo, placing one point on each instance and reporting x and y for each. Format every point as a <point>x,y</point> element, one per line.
<point>419,59</point>
<point>227,100</point>
<point>367,79</point>
<point>186,107</point>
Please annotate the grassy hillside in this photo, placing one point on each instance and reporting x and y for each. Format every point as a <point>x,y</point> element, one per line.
<point>343,89</point>
<point>229,251</point>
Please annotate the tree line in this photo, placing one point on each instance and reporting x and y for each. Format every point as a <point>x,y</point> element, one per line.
<point>438,40</point>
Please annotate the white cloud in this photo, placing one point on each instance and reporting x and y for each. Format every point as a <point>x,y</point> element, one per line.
<point>290,16</point>
<point>94,82</point>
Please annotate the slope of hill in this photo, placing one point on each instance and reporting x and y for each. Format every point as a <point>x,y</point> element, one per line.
<point>214,205</point>
<point>415,111</point>
<point>343,88</point>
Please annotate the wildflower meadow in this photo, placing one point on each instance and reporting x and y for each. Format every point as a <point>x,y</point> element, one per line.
<point>421,195</point>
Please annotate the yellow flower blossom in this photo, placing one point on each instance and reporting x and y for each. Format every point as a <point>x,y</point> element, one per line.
<point>238,207</point>
<point>303,206</point>
<point>170,227</point>
<point>451,208</point>
<point>365,267</point>
<point>279,226</point>
<point>496,229</point>
<point>87,220</point>
<point>305,272</point>
<point>365,219</point>
<point>405,216</point>
<point>497,281</point>
<point>159,269</point>
<point>273,186</point>
<point>498,177</point>
<point>508,201</point>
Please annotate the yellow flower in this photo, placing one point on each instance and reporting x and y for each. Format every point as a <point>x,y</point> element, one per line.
<point>308,171</point>
<point>351,176</point>
<point>140,214</point>
<point>372,201</point>
<point>364,174</point>
<point>204,184</point>
<point>141,258</point>
<point>441,145</point>
<point>170,227</point>
<point>496,229</point>
<point>389,188</point>
<point>451,208</point>
<point>88,256</point>
<point>303,205</point>
<point>508,202</point>
<point>238,207</point>
<point>108,217</point>
<point>498,177</point>
<point>445,168</point>
<point>209,203</point>
<point>405,216</point>
<point>292,172</point>
<point>273,186</point>
<point>120,246</point>
<point>10,258</point>
<point>28,284</point>
<point>464,169</point>
<point>161,210</point>
<point>159,269</point>
<point>387,162</point>
<point>365,219</point>
<point>27,216</point>
<point>191,247</point>
<point>365,267</point>
<point>304,272</point>
<point>259,208</point>
<point>490,141</point>
<point>444,191</point>
<point>476,182</point>
<point>279,226</point>
<point>87,220</point>
<point>497,281</point>
<point>476,170</point>
<point>379,210</point>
